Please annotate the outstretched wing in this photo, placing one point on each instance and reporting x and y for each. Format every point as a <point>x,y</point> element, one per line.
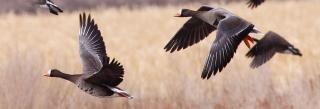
<point>96,63</point>
<point>111,74</point>
<point>254,3</point>
<point>193,31</point>
<point>230,33</point>
<point>92,48</point>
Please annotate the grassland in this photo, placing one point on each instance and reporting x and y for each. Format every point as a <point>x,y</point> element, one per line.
<point>30,45</point>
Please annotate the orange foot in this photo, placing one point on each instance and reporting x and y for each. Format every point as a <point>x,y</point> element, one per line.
<point>247,39</point>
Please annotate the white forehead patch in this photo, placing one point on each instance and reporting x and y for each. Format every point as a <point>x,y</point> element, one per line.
<point>180,11</point>
<point>49,72</point>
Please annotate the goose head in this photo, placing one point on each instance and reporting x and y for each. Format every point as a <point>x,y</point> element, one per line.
<point>293,50</point>
<point>53,73</point>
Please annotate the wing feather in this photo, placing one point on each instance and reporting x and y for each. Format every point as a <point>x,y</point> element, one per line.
<point>92,48</point>
<point>111,74</point>
<point>190,33</point>
<point>230,33</point>
<point>97,65</point>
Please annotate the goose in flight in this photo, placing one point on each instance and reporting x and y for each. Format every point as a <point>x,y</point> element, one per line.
<point>53,8</point>
<point>231,30</point>
<point>268,46</point>
<point>100,75</point>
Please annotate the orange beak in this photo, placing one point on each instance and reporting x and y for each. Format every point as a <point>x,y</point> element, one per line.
<point>247,39</point>
<point>45,74</point>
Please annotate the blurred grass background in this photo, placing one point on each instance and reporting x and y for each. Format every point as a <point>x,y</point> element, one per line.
<point>30,45</point>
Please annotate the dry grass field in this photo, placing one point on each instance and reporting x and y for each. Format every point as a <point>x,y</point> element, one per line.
<point>30,45</point>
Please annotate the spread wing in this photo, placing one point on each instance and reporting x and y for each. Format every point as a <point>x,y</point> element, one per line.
<point>92,48</point>
<point>265,49</point>
<point>230,32</point>
<point>254,3</point>
<point>96,63</point>
<point>111,74</point>
<point>193,31</point>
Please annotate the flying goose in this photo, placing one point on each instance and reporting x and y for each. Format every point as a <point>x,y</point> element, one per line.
<point>100,75</point>
<point>268,46</point>
<point>254,3</point>
<point>54,9</point>
<point>231,30</point>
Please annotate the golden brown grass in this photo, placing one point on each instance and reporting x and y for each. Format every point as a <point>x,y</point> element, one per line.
<point>30,45</point>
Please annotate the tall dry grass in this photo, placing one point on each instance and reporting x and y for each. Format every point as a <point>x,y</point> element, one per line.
<point>30,45</point>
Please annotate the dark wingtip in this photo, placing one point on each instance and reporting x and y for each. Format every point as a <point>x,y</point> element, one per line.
<point>83,18</point>
<point>166,48</point>
<point>89,18</point>
<point>254,3</point>
<point>253,66</point>
<point>251,5</point>
<point>299,54</point>
<point>208,77</point>
<point>80,20</point>
<point>172,50</point>
<point>204,74</point>
<point>249,54</point>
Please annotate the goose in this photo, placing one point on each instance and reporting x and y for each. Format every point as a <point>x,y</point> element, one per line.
<point>268,46</point>
<point>53,8</point>
<point>100,75</point>
<point>254,3</point>
<point>231,30</point>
